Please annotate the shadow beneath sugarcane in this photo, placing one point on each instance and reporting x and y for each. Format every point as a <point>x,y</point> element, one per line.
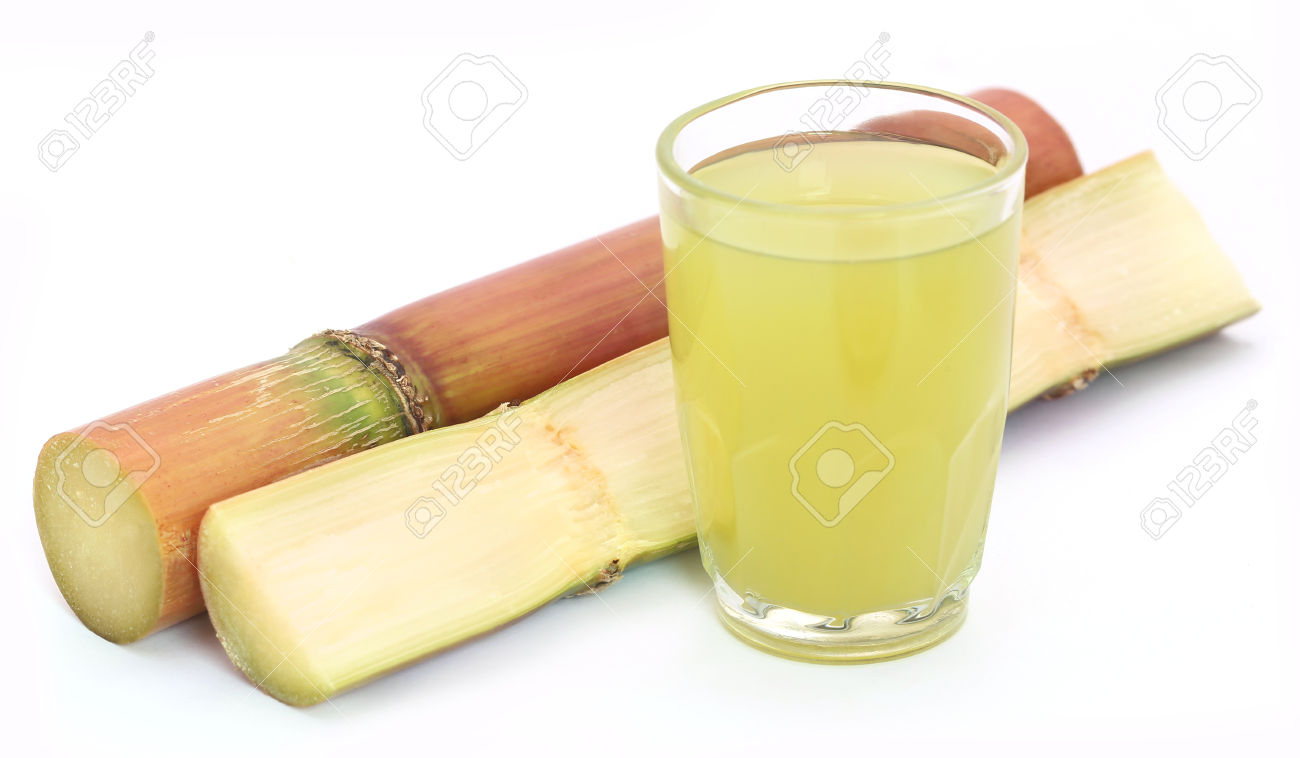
<point>1121,389</point>
<point>589,637</point>
<point>190,652</point>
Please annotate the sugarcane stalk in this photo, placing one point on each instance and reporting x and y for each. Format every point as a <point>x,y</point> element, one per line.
<point>118,502</point>
<point>341,574</point>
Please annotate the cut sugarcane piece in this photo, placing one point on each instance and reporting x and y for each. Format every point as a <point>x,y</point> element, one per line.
<point>1114,266</point>
<point>434,539</point>
<point>341,574</point>
<point>118,517</point>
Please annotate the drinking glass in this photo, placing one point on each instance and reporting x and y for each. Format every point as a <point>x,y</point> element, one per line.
<point>840,263</point>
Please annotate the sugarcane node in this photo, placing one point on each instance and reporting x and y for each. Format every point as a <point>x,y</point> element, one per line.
<point>388,366</point>
<point>610,574</point>
<point>1072,386</point>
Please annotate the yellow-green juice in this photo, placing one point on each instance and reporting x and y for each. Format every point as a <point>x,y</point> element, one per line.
<point>841,338</point>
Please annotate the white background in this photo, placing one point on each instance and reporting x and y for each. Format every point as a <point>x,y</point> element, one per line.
<point>273,178</point>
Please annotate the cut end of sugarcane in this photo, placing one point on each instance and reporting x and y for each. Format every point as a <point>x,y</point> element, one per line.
<point>99,538</point>
<point>268,651</point>
<point>1115,266</point>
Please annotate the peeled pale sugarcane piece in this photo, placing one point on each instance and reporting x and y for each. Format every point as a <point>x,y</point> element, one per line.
<point>341,574</point>
<point>118,503</point>
<point>1114,266</point>
<point>487,521</point>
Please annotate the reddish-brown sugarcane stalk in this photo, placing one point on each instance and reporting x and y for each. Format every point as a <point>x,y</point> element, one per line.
<point>118,503</point>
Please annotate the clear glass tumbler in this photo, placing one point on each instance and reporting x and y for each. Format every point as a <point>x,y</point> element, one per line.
<point>841,276</point>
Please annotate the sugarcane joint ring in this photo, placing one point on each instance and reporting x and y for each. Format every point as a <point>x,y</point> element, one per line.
<point>386,364</point>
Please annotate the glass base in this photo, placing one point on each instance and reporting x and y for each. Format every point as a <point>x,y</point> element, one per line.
<point>860,639</point>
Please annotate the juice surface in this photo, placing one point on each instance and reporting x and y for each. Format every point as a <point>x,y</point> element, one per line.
<point>841,373</point>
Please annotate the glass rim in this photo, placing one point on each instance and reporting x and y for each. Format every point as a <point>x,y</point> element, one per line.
<point>674,172</point>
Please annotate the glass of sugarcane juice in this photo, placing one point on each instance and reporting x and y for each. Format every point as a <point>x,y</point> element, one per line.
<point>840,274</point>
